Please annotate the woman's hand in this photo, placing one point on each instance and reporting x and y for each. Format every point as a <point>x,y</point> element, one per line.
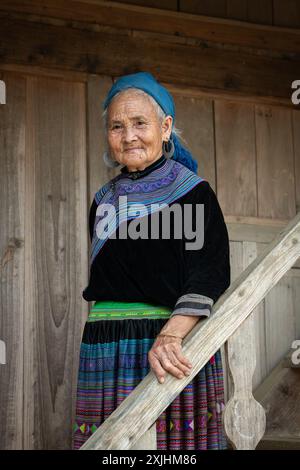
<point>166,356</point>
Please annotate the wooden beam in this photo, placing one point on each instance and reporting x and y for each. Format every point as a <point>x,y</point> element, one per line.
<point>59,47</point>
<point>180,90</point>
<point>33,70</point>
<point>181,24</point>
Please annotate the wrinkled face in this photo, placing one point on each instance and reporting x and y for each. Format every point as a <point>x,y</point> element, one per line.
<point>134,131</point>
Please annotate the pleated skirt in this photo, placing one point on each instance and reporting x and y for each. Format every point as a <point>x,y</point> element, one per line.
<point>114,359</point>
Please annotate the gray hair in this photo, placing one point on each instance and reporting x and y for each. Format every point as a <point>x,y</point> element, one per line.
<point>159,111</point>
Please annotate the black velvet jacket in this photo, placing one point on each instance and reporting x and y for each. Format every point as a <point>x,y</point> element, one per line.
<point>162,271</point>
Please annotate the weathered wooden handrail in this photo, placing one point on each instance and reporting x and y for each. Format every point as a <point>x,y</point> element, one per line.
<point>123,428</point>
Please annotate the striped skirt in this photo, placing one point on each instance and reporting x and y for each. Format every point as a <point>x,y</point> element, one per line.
<point>114,359</point>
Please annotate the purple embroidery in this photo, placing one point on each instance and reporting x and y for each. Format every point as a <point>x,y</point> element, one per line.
<point>166,184</point>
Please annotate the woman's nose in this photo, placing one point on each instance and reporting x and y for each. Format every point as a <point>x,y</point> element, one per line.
<point>129,134</point>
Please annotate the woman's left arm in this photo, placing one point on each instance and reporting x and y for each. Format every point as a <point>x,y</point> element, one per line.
<point>207,277</point>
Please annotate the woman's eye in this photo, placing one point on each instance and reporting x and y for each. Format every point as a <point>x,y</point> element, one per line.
<point>116,126</point>
<point>140,123</point>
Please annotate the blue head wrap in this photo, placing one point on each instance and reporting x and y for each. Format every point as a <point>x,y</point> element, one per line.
<point>146,82</point>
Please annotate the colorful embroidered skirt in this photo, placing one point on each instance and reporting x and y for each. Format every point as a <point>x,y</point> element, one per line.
<point>114,359</point>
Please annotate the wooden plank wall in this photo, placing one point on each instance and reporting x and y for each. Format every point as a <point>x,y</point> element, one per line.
<point>273,12</point>
<point>12,256</point>
<point>250,155</point>
<point>43,249</point>
<point>51,165</point>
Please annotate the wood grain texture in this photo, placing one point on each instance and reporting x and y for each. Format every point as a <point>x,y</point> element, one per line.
<point>237,9</point>
<point>148,441</point>
<point>279,395</point>
<point>12,259</point>
<point>287,13</point>
<point>205,7</point>
<point>235,158</point>
<point>31,70</point>
<point>275,163</point>
<point>205,67</point>
<point>244,418</point>
<point>56,258</point>
<point>278,444</point>
<point>164,4</point>
<point>280,317</point>
<point>253,229</point>
<point>250,253</point>
<point>254,11</point>
<point>296,142</point>
<point>98,172</point>
<point>124,426</point>
<point>48,295</point>
<point>272,317</point>
<point>195,118</point>
<point>296,303</point>
<point>247,34</point>
<point>241,255</point>
<point>181,90</point>
<point>260,11</point>
<point>236,268</point>
<point>283,415</point>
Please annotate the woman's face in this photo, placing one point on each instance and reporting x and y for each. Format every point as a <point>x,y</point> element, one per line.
<point>135,133</point>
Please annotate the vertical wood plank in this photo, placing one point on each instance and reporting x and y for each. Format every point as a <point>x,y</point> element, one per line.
<point>235,155</point>
<point>287,13</point>
<point>12,171</point>
<point>296,304</point>
<point>250,252</point>
<point>242,254</point>
<point>254,11</point>
<point>275,163</point>
<point>289,313</point>
<point>56,258</point>
<point>260,11</point>
<point>236,265</point>
<point>98,173</point>
<point>296,142</point>
<point>195,118</point>
<point>205,7</point>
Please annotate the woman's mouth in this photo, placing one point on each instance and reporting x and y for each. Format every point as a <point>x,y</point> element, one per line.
<point>134,150</point>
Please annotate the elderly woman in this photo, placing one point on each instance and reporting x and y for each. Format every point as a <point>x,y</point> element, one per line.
<point>150,291</point>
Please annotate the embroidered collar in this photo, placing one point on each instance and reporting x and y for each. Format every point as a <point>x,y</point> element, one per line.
<point>139,173</point>
<point>165,181</point>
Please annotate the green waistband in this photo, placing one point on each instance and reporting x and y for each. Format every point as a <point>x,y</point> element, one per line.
<point>112,310</point>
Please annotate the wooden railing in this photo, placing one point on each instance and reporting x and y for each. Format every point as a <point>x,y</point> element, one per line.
<point>231,323</point>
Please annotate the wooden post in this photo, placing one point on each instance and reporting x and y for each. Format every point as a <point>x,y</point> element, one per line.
<point>244,418</point>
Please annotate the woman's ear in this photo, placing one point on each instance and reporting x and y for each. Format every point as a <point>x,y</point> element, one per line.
<point>167,127</point>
